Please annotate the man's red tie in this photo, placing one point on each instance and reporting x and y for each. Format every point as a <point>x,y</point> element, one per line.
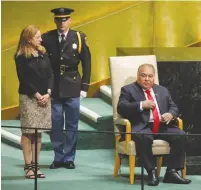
<point>155,114</point>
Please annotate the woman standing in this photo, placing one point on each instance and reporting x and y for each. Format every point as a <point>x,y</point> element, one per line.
<point>35,85</point>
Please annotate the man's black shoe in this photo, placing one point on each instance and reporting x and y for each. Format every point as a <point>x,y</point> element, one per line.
<point>152,178</point>
<point>172,176</point>
<point>56,165</point>
<point>69,165</point>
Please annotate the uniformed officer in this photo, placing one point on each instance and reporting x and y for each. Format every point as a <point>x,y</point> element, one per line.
<point>66,49</point>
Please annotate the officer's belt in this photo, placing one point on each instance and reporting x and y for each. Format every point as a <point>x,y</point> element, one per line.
<point>65,68</point>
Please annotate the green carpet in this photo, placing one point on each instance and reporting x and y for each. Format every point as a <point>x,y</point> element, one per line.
<point>86,140</point>
<point>94,170</point>
<point>98,106</point>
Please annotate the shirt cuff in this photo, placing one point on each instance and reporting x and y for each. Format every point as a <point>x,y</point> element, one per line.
<point>141,109</point>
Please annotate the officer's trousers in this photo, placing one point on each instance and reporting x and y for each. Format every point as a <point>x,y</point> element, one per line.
<point>64,142</point>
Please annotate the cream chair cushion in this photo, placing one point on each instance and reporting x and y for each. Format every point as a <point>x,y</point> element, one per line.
<point>159,147</point>
<point>131,148</point>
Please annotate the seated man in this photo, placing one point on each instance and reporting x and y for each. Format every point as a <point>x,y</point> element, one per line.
<point>150,108</point>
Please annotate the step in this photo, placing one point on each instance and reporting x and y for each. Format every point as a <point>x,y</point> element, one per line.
<point>106,93</point>
<point>106,89</point>
<point>102,109</point>
<point>86,140</point>
<point>99,114</point>
<point>16,123</point>
<point>91,115</point>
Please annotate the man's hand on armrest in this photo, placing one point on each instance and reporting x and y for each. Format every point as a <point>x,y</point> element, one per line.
<point>166,118</point>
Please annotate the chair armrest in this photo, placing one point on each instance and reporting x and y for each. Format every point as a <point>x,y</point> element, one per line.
<point>120,121</point>
<point>127,124</point>
<point>180,123</point>
<point>177,122</point>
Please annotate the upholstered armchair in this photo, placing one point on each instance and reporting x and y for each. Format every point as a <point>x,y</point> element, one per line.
<point>123,70</point>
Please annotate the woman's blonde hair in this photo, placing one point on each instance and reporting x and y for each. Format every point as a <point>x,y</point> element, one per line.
<point>24,46</point>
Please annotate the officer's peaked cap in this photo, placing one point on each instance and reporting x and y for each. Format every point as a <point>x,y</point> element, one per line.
<point>63,13</point>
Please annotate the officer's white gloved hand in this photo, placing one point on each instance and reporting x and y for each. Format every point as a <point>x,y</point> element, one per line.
<point>83,94</point>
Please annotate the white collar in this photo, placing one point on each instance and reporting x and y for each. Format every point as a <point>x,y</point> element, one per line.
<point>151,90</point>
<point>65,33</point>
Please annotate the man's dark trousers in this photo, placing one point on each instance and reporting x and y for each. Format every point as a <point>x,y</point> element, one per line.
<point>177,146</point>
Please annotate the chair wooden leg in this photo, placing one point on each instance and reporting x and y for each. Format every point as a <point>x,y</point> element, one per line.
<point>184,170</point>
<point>159,165</point>
<point>117,165</point>
<point>132,169</point>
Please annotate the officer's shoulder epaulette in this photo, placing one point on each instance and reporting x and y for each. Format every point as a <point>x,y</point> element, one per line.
<point>82,34</point>
<point>84,37</point>
<point>81,39</point>
<point>78,31</point>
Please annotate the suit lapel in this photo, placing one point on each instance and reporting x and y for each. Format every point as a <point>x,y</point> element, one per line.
<point>157,95</point>
<point>139,90</point>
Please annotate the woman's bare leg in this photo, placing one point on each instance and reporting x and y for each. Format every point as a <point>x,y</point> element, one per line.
<point>38,147</point>
<point>26,148</point>
<point>39,140</point>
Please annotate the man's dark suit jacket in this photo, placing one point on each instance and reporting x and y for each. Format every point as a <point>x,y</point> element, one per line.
<point>129,104</point>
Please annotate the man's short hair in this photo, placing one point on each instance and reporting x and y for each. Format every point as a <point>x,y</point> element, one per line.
<point>145,65</point>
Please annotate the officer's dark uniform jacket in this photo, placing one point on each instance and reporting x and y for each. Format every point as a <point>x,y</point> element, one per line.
<point>65,59</point>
